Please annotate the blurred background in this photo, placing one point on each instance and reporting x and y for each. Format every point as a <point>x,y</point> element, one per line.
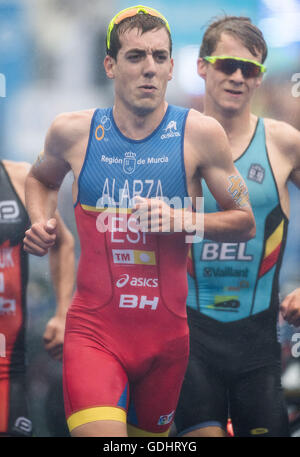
<point>51,54</point>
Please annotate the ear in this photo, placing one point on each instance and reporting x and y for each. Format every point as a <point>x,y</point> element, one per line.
<point>171,70</point>
<point>109,66</point>
<point>202,68</point>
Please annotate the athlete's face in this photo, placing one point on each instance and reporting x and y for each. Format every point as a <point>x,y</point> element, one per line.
<point>229,93</point>
<point>142,70</point>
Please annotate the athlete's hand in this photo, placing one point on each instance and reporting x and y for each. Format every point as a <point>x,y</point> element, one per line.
<point>40,237</point>
<point>154,215</point>
<point>290,308</point>
<point>54,337</point>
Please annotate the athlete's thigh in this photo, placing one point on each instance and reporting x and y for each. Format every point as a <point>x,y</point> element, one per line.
<point>257,404</point>
<point>154,397</point>
<point>14,417</point>
<point>95,383</point>
<point>203,398</point>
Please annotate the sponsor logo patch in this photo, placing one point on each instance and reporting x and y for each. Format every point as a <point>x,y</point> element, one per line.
<point>223,303</point>
<point>256,173</point>
<point>166,419</point>
<point>224,272</point>
<point>132,257</point>
<point>7,306</point>
<point>259,431</point>
<point>9,211</point>
<point>136,282</point>
<point>129,163</point>
<point>23,425</point>
<point>170,131</point>
<point>133,301</point>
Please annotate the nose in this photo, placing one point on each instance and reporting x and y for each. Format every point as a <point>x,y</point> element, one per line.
<point>149,66</point>
<point>237,77</point>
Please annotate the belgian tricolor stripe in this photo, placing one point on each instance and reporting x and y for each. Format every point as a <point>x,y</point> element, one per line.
<point>274,238</point>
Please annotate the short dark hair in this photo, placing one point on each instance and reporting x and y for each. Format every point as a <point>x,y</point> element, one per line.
<point>141,21</point>
<point>239,27</point>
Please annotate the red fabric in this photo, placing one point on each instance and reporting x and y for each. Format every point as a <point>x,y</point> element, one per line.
<point>127,322</point>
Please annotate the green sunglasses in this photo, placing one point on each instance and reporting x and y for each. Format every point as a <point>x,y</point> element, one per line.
<point>130,12</point>
<point>229,65</point>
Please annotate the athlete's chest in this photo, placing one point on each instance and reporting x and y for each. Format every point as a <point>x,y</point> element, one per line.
<point>264,169</point>
<point>256,168</point>
<point>117,168</point>
<point>257,172</point>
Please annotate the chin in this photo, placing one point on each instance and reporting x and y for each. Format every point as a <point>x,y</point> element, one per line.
<point>144,109</point>
<point>231,108</point>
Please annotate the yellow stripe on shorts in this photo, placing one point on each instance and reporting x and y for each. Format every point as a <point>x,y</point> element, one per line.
<point>134,432</point>
<point>99,413</point>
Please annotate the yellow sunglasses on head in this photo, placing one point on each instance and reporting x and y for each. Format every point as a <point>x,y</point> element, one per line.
<point>130,12</point>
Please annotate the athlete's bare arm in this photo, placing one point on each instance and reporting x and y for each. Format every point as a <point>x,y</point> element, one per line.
<point>207,156</point>
<point>62,264</point>
<point>64,150</point>
<point>285,141</point>
<point>48,172</point>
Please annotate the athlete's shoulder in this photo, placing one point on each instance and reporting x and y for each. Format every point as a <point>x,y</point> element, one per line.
<point>17,171</point>
<point>203,126</point>
<point>206,137</point>
<point>67,129</point>
<point>284,135</point>
<point>72,122</point>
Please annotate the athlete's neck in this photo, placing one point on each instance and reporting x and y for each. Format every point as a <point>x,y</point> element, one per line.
<point>138,125</point>
<point>239,126</point>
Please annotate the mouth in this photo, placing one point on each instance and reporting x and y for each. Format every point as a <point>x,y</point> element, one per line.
<point>234,92</point>
<point>148,87</point>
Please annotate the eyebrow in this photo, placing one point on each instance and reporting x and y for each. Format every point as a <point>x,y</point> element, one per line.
<point>143,51</point>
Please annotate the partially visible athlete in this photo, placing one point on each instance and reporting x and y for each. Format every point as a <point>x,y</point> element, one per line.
<point>126,343</point>
<point>233,301</point>
<point>14,221</point>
